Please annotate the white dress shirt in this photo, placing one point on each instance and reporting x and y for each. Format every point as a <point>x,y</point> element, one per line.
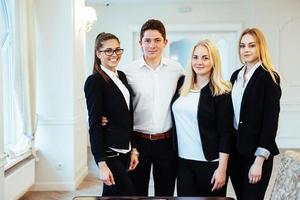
<point>153,91</point>
<point>237,93</point>
<point>115,78</point>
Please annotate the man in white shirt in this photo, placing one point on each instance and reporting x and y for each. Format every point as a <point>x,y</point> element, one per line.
<point>153,80</point>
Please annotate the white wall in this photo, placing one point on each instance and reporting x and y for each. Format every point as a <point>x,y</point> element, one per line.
<point>61,134</point>
<point>279,20</point>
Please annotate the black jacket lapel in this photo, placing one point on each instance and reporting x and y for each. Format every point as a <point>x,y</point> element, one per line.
<point>249,85</point>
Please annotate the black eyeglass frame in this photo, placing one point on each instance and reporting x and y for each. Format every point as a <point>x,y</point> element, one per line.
<point>110,52</point>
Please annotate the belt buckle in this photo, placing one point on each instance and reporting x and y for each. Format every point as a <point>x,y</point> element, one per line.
<point>150,137</point>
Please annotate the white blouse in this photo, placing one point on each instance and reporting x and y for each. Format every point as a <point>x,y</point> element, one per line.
<point>185,110</point>
<point>238,89</point>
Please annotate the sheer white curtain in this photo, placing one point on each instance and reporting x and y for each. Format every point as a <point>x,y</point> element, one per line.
<point>23,77</point>
<point>3,39</point>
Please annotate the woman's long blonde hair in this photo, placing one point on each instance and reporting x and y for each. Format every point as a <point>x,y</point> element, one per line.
<point>218,85</point>
<point>262,51</point>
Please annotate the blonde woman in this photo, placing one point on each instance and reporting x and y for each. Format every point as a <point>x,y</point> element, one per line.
<point>202,112</point>
<point>256,101</point>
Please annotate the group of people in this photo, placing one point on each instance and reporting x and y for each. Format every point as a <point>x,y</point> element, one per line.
<point>195,127</point>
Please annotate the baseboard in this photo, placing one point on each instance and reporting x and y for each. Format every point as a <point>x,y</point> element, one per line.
<point>54,186</point>
<point>288,142</point>
<point>61,186</point>
<point>82,173</point>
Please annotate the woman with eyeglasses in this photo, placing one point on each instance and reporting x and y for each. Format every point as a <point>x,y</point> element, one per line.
<point>108,94</point>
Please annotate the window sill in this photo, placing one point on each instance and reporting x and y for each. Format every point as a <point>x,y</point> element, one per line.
<point>12,162</point>
<point>2,160</point>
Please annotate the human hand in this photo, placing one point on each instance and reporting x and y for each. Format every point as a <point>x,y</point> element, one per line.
<point>218,179</point>
<point>134,159</point>
<point>105,174</point>
<point>255,170</point>
<point>104,121</point>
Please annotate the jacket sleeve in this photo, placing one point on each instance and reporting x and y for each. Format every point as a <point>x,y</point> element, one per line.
<point>272,94</point>
<point>94,100</point>
<point>225,123</point>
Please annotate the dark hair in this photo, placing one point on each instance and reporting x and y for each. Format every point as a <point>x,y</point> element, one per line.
<point>153,24</point>
<point>101,37</point>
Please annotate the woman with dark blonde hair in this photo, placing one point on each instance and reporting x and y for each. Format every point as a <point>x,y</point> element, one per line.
<point>108,94</point>
<point>256,96</point>
<point>202,112</point>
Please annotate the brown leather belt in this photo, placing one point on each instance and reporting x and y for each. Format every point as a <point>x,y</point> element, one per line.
<point>156,136</point>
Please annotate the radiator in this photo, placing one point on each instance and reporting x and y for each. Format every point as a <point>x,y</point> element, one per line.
<point>19,179</point>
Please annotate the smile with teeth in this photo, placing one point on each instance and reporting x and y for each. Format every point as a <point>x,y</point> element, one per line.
<point>113,59</point>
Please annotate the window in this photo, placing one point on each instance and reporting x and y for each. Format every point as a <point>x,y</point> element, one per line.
<point>181,39</point>
<point>3,23</point>
<point>14,137</point>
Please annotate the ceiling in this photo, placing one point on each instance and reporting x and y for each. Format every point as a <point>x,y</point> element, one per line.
<point>118,2</point>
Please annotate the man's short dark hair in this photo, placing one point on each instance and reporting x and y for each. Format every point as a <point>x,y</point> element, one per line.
<point>153,24</point>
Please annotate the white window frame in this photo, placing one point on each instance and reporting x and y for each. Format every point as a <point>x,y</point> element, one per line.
<point>209,30</point>
<point>13,129</point>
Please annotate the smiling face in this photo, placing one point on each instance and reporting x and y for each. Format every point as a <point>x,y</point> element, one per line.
<point>109,61</point>
<point>153,44</point>
<point>201,62</point>
<point>249,49</point>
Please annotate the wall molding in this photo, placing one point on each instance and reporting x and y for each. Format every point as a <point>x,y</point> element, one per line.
<point>281,29</point>
<point>195,27</point>
<point>288,142</point>
<point>290,106</point>
<point>50,121</point>
<point>64,185</point>
<point>291,19</point>
<point>82,173</point>
<point>54,186</point>
<point>151,2</point>
<point>234,27</point>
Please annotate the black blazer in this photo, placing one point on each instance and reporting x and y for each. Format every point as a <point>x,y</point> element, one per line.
<point>259,113</point>
<point>103,98</point>
<point>215,122</point>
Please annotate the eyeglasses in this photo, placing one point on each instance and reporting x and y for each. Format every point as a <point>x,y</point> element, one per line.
<point>110,52</point>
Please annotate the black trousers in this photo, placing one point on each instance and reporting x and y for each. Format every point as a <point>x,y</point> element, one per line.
<point>194,178</point>
<point>238,171</point>
<point>118,165</point>
<point>159,154</point>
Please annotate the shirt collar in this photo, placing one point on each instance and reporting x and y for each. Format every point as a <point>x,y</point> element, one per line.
<point>109,72</point>
<point>142,62</point>
<point>250,73</point>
